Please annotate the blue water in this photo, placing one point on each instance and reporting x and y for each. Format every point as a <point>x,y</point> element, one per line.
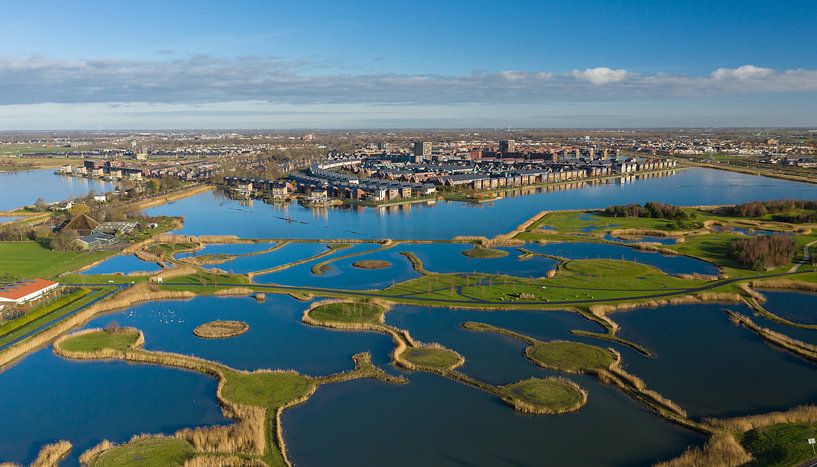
<point>643,239</point>
<point>227,249</point>
<point>210,213</point>
<point>286,254</point>
<point>5,219</point>
<point>800,307</point>
<point>18,189</point>
<point>484,350</point>
<point>276,339</point>
<point>448,257</point>
<point>435,421</point>
<point>711,367</point>
<point>340,275</point>
<point>47,398</point>
<point>124,264</point>
<point>671,264</point>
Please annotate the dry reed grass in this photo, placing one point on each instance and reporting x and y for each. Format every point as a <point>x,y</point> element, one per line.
<point>722,450</point>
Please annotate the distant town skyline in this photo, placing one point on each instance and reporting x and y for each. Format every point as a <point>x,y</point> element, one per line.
<point>419,64</point>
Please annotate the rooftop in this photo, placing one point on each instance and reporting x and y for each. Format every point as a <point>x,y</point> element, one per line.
<point>21,289</point>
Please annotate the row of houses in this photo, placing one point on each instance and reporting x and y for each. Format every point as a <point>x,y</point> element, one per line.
<point>384,183</point>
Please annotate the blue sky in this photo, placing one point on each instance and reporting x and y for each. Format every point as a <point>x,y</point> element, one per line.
<point>339,64</point>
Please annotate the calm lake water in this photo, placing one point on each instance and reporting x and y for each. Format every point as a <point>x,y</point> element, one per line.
<point>19,189</point>
<point>125,264</point>
<point>276,339</point>
<point>434,421</point>
<point>47,398</point>
<point>800,307</point>
<point>210,213</point>
<point>711,367</point>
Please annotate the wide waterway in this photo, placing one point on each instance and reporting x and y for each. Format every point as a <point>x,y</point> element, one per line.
<point>18,189</point>
<point>211,213</point>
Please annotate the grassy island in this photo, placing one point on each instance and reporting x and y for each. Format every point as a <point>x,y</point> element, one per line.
<point>347,312</point>
<point>221,329</point>
<point>545,396</point>
<point>432,357</point>
<point>159,450</point>
<point>570,357</point>
<point>371,264</point>
<point>482,252</point>
<point>119,339</point>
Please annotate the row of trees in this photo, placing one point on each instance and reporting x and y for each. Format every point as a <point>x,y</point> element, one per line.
<point>763,252</point>
<point>784,210</point>
<point>652,209</point>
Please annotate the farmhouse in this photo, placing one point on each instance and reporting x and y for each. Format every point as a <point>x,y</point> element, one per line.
<point>26,291</point>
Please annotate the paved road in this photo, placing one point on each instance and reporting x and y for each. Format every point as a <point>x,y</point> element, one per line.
<point>806,257</point>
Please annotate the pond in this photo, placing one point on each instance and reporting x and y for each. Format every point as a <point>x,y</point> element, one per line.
<point>711,367</point>
<point>18,189</point>
<point>125,264</point>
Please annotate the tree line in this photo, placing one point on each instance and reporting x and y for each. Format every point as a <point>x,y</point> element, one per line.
<point>782,210</point>
<point>651,209</point>
<point>763,252</point>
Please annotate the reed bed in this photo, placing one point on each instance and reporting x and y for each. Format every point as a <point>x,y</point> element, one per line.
<point>785,284</point>
<point>52,454</point>
<point>232,291</point>
<point>416,263</point>
<point>703,297</point>
<point>221,329</point>
<point>801,414</point>
<point>722,450</point>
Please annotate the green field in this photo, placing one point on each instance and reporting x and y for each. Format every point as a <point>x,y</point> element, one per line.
<point>347,312</point>
<point>265,389</point>
<point>30,259</point>
<point>780,445</point>
<point>571,357</point>
<point>549,395</point>
<point>148,451</point>
<point>96,341</point>
<point>481,252</point>
<point>431,357</point>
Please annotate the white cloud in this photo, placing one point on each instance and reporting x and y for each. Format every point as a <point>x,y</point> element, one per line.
<point>601,75</point>
<point>205,79</point>
<point>742,73</point>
